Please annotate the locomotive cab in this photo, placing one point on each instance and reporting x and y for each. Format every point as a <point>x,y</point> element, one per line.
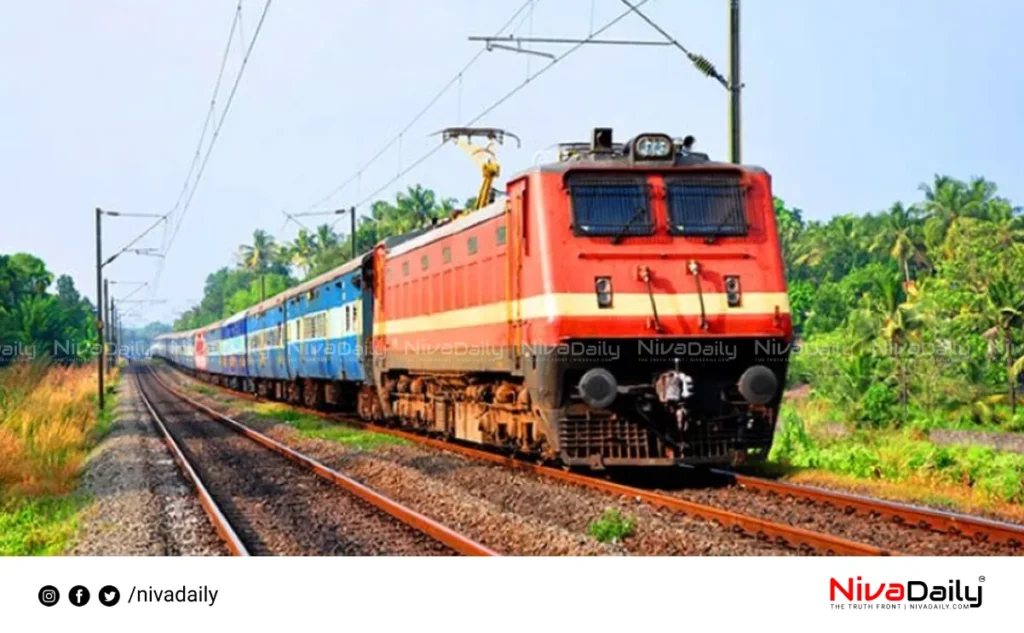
<point>652,318</point>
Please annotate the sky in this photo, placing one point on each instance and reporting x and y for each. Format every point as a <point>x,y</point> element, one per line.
<point>850,106</point>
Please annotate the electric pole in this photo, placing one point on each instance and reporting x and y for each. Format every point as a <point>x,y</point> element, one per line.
<point>103,329</point>
<point>734,81</point>
<point>106,321</point>
<point>732,84</point>
<point>99,304</point>
<point>352,211</point>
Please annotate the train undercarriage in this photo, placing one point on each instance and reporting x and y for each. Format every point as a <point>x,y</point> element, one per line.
<point>628,412</point>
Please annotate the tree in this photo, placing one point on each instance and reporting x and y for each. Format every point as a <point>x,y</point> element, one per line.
<point>260,256</point>
<point>898,322</point>
<point>1005,301</point>
<point>302,251</point>
<point>34,320</point>
<point>898,237</point>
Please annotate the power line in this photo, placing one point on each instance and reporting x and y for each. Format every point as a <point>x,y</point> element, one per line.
<point>502,100</point>
<point>220,122</point>
<point>209,115</point>
<point>217,129</point>
<point>699,61</point>
<point>455,80</point>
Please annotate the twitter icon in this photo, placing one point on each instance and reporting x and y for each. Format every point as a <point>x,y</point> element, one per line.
<point>109,596</point>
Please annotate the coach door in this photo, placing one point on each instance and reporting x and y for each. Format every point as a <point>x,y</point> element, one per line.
<point>515,244</point>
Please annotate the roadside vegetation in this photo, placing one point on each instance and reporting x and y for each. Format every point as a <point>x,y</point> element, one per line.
<point>612,527</point>
<point>908,320</point>
<point>48,424</point>
<point>311,426</point>
<point>42,317</point>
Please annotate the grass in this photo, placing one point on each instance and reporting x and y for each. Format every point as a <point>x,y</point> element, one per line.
<point>311,426</point>
<point>203,389</point>
<point>48,425</point>
<point>898,463</point>
<point>612,527</point>
<point>40,526</point>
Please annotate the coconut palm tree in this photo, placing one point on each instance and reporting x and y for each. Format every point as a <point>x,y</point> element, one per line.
<point>1005,308</point>
<point>325,237</point>
<point>893,304</point>
<point>948,200</point>
<point>899,237</point>
<point>302,251</point>
<point>260,256</point>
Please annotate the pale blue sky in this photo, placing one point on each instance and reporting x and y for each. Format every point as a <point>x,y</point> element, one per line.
<point>850,104</point>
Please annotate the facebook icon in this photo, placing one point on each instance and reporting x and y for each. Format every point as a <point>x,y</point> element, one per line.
<point>79,595</point>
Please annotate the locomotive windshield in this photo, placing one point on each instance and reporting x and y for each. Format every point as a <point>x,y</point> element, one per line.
<point>618,205</point>
<point>612,206</point>
<point>708,205</point>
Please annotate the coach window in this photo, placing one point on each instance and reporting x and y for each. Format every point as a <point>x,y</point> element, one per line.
<point>405,268</point>
<point>471,246</point>
<point>424,262</point>
<point>348,318</point>
<point>500,235</point>
<point>446,254</point>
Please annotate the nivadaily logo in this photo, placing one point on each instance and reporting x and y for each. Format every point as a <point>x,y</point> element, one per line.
<point>912,594</point>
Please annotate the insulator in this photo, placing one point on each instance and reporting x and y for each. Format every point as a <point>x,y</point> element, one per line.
<point>704,65</point>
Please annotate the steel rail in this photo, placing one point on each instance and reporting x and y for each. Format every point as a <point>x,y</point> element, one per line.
<point>979,529</point>
<point>457,542</point>
<point>793,536</point>
<point>213,512</point>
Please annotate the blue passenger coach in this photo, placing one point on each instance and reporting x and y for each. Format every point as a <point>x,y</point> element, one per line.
<point>231,357</point>
<point>310,343</point>
<point>327,318</point>
<point>265,330</point>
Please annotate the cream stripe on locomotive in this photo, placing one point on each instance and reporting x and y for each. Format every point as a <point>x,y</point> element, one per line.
<point>552,306</point>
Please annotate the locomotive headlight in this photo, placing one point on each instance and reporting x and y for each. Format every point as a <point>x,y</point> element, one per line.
<point>732,290</point>
<point>652,146</point>
<point>603,288</point>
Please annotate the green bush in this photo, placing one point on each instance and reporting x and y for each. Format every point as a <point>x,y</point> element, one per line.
<point>879,406</point>
<point>897,455</point>
<point>612,527</point>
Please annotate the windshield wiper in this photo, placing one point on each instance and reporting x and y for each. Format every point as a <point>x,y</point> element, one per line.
<point>640,211</point>
<point>716,232</point>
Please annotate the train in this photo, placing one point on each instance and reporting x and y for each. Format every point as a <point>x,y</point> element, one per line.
<point>623,305</point>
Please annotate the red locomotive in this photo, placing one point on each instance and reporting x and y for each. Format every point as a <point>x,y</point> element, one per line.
<point>623,306</point>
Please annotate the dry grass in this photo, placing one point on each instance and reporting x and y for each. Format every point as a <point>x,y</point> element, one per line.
<point>48,422</point>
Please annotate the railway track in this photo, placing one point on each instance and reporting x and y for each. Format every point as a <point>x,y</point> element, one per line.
<point>783,533</point>
<point>978,529</point>
<point>263,497</point>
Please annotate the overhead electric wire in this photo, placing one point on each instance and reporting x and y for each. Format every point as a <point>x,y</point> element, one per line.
<point>456,79</point>
<point>216,132</point>
<point>220,122</point>
<point>699,61</point>
<point>235,22</point>
<point>134,241</point>
<point>500,101</point>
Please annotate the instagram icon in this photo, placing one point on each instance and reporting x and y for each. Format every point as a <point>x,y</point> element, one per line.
<point>49,596</point>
